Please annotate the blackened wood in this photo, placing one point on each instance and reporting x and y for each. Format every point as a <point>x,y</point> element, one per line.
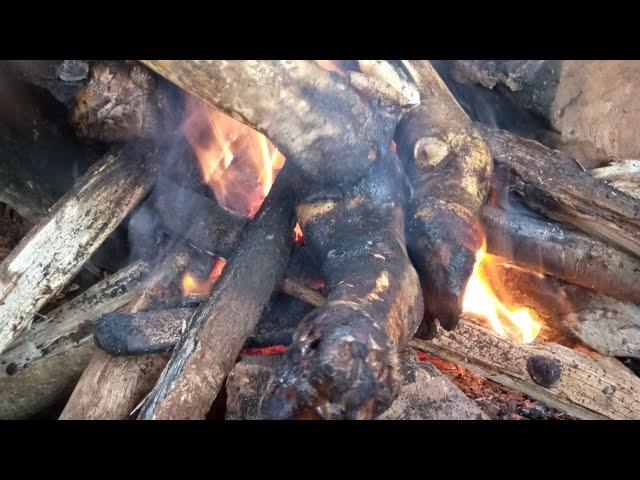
<point>343,361</point>
<point>55,250</point>
<point>568,254</point>
<point>43,364</point>
<point>449,167</point>
<point>554,184</point>
<point>124,101</point>
<point>314,118</point>
<point>112,387</point>
<point>209,347</point>
<point>196,218</point>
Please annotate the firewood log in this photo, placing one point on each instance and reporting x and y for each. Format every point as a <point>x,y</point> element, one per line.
<point>43,364</point>
<point>314,118</point>
<point>112,387</point>
<point>582,386</point>
<point>555,185</point>
<point>570,255</point>
<point>343,361</point>
<point>449,167</point>
<point>124,101</point>
<point>210,345</point>
<point>55,250</point>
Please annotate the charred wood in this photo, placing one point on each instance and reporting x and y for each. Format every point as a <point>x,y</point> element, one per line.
<point>343,361</point>
<point>210,345</point>
<point>449,167</point>
<point>55,250</point>
<point>314,118</point>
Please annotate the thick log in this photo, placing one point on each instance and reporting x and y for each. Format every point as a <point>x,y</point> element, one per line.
<point>314,118</point>
<point>555,185</point>
<point>42,366</point>
<point>570,255</point>
<point>210,345</point>
<point>582,386</point>
<point>449,167</point>
<point>343,361</point>
<point>55,250</point>
<point>110,387</point>
<point>123,101</point>
<point>196,218</point>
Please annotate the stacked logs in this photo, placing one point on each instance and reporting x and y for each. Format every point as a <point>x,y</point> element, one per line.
<point>394,238</point>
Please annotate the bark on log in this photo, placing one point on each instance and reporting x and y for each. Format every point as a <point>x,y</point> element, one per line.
<point>314,118</point>
<point>124,101</point>
<point>343,360</point>
<point>111,388</point>
<point>55,250</point>
<point>587,388</point>
<point>565,253</point>
<point>555,185</point>
<point>209,347</point>
<point>449,167</point>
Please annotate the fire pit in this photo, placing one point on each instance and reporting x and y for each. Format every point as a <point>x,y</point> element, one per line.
<point>312,240</point>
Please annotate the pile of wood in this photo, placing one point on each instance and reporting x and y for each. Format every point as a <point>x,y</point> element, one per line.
<point>389,179</point>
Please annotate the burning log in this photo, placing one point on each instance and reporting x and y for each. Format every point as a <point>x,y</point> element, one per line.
<point>567,254</point>
<point>343,360</point>
<point>125,101</point>
<point>586,387</point>
<point>449,166</point>
<point>311,115</point>
<point>209,226</point>
<point>210,345</point>
<point>554,184</point>
<point>43,363</point>
<point>55,250</point>
<point>112,387</point>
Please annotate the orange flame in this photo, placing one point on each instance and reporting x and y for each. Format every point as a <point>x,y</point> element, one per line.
<point>480,299</point>
<point>191,285</point>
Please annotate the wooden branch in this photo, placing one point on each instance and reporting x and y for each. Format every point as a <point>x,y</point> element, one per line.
<point>343,361</point>
<point>44,363</point>
<point>112,387</point>
<point>196,218</point>
<point>565,253</point>
<point>312,116</point>
<point>587,388</point>
<point>449,167</point>
<point>55,250</point>
<point>209,347</point>
<point>554,184</point>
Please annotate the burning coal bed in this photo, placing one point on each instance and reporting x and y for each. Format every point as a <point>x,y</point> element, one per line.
<point>317,240</point>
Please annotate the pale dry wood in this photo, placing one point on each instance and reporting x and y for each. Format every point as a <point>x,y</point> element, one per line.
<point>56,249</point>
<point>313,117</point>
<point>112,387</point>
<point>295,288</point>
<point>381,79</point>
<point>588,388</point>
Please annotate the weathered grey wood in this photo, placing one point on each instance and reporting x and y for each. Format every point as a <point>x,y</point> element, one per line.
<point>314,118</point>
<point>565,253</point>
<point>554,184</point>
<point>209,347</point>
<point>55,250</point>
<point>588,388</point>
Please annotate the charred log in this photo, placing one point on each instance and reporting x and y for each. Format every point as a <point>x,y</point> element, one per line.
<point>343,360</point>
<point>570,255</point>
<point>55,250</point>
<point>554,184</point>
<point>449,167</point>
<point>314,118</point>
<point>210,345</point>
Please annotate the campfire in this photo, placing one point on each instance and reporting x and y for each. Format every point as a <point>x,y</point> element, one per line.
<point>315,240</point>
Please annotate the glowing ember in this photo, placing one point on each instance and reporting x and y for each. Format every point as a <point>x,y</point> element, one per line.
<point>480,299</point>
<point>331,66</point>
<point>191,285</point>
<point>298,236</point>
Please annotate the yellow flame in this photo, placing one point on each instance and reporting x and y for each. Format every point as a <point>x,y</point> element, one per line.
<point>480,299</point>
<point>191,285</point>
